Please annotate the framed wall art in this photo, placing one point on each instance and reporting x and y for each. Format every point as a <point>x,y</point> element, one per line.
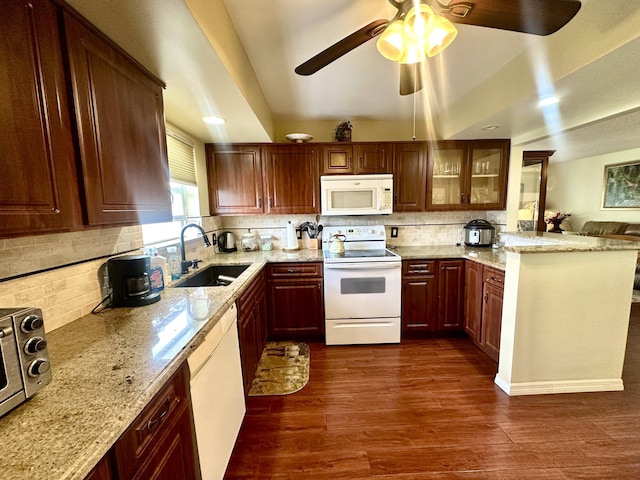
<point>621,190</point>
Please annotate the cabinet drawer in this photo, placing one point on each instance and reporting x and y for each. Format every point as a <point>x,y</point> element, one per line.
<point>494,277</point>
<point>418,267</point>
<point>137,443</point>
<point>295,270</point>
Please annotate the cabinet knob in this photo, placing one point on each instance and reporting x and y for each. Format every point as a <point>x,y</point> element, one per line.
<point>259,202</point>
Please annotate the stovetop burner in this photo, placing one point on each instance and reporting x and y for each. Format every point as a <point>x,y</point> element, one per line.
<point>361,243</point>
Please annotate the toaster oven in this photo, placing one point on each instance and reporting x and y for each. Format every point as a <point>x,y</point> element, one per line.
<point>24,359</point>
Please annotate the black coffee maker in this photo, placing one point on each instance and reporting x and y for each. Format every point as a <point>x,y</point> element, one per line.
<point>129,277</point>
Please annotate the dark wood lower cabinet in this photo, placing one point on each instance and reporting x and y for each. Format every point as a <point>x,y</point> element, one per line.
<point>473,299</point>
<point>493,293</point>
<point>160,444</point>
<point>450,295</point>
<point>103,470</point>
<point>483,307</point>
<point>295,301</point>
<point>252,327</point>
<point>432,296</point>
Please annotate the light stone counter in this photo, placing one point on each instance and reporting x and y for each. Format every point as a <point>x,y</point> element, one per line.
<point>106,368</point>
<point>487,256</point>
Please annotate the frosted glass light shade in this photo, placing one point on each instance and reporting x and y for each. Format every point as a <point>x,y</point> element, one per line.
<point>417,23</point>
<point>391,44</point>
<point>442,34</point>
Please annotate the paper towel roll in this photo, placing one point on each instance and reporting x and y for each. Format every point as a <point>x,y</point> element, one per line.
<point>292,241</point>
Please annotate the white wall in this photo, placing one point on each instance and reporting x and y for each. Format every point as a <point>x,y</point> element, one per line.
<point>576,187</point>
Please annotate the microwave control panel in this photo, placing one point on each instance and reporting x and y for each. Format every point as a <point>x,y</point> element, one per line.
<point>387,198</point>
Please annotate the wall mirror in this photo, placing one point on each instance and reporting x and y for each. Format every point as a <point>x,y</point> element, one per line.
<point>533,190</point>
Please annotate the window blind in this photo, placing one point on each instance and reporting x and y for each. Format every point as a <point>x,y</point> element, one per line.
<point>182,162</point>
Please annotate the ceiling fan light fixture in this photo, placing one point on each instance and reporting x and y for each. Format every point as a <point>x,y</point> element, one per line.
<point>418,23</point>
<point>390,44</point>
<point>443,32</point>
<point>413,53</point>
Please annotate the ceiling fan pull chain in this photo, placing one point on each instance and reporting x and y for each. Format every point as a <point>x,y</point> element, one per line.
<point>415,94</point>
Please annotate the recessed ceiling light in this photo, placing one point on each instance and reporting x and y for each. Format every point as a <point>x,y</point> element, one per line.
<point>214,120</point>
<point>491,127</point>
<point>545,102</point>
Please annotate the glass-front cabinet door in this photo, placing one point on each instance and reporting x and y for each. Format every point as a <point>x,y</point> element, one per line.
<point>446,174</point>
<point>467,175</point>
<point>487,180</point>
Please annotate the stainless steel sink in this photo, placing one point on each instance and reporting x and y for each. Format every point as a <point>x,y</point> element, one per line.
<point>213,276</point>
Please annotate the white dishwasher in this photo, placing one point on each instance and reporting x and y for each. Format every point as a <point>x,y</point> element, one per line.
<point>217,395</point>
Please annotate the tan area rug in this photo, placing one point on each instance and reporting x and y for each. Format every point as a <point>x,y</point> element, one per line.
<point>283,369</point>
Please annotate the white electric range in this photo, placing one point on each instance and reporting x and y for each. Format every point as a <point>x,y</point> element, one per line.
<point>361,287</point>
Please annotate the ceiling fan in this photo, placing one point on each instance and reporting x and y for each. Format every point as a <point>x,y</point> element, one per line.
<point>537,17</point>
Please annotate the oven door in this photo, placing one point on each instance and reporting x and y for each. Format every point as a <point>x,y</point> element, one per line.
<point>362,290</point>
<point>11,388</point>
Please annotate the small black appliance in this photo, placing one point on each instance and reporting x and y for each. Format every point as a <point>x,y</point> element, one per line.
<point>129,277</point>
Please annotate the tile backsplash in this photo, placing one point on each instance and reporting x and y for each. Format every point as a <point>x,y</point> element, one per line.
<point>69,287</point>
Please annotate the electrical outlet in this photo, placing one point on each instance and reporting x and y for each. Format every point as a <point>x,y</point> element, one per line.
<point>394,232</point>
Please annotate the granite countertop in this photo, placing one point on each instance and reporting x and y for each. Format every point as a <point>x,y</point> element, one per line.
<point>534,242</point>
<point>108,366</point>
<point>486,255</point>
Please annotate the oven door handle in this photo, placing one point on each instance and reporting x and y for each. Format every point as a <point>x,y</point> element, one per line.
<point>363,266</point>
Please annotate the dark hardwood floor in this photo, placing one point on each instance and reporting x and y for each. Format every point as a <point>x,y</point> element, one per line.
<point>428,409</point>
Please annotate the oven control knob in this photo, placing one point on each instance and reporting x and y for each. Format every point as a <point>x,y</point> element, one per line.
<point>31,323</point>
<point>38,367</point>
<point>35,345</point>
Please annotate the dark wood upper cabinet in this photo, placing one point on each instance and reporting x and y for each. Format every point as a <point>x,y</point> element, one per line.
<point>40,191</point>
<point>468,175</point>
<point>235,179</point>
<point>292,179</point>
<point>120,121</point>
<point>356,158</point>
<point>337,158</point>
<point>373,158</point>
<point>409,176</point>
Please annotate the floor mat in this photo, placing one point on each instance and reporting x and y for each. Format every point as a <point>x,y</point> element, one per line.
<point>283,369</point>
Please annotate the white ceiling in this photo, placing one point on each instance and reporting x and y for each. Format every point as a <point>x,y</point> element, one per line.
<point>486,77</point>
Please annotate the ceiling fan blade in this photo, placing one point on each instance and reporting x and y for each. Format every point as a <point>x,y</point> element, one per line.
<point>538,17</point>
<point>338,49</point>
<point>410,78</point>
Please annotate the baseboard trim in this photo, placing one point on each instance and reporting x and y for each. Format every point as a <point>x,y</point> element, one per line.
<point>562,386</point>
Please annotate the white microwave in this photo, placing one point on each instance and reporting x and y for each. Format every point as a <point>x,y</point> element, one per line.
<point>356,194</point>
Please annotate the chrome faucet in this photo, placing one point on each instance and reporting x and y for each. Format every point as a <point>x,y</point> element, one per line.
<point>185,264</point>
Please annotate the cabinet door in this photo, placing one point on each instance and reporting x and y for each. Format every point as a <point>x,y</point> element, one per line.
<point>487,187</point>
<point>493,293</point>
<point>234,175</point>
<point>293,184</point>
<point>409,176</point>
<point>419,304</point>
<point>40,191</point>
<point>451,294</point>
<point>373,158</point>
<point>120,121</point>
<point>248,341</point>
<point>337,159</point>
<point>296,309</point>
<point>473,299</point>
<point>447,166</point>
